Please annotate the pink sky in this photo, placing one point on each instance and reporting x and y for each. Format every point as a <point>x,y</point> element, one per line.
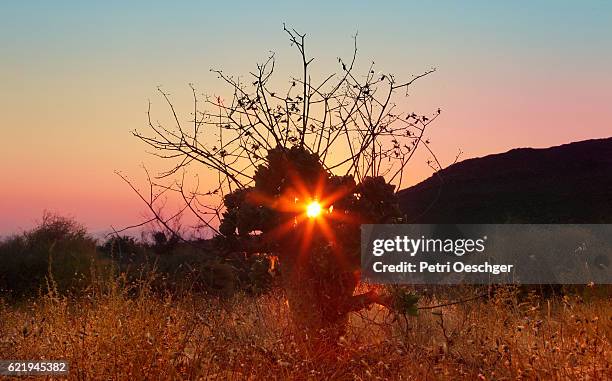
<point>75,83</point>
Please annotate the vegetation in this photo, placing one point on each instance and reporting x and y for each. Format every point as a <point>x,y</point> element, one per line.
<point>139,314</point>
<point>58,253</point>
<point>122,331</point>
<point>341,144</point>
<point>275,294</point>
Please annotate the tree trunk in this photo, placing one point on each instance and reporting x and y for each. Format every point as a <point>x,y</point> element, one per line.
<point>320,294</point>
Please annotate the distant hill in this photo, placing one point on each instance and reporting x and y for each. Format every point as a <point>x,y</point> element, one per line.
<point>571,183</point>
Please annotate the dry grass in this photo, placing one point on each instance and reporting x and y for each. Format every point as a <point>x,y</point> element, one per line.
<point>117,334</point>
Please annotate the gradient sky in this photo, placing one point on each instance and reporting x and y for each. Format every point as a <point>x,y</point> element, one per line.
<point>76,79</point>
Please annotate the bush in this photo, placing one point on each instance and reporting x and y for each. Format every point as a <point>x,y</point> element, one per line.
<point>58,253</point>
<point>200,266</point>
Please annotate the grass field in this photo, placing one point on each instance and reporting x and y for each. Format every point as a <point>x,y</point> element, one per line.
<point>124,332</point>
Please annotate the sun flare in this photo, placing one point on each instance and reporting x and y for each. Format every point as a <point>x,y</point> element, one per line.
<point>313,209</point>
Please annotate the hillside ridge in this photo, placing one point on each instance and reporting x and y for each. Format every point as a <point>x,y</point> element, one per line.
<point>569,183</point>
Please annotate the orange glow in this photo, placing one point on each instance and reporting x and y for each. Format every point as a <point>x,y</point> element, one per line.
<point>313,209</point>
<point>306,211</point>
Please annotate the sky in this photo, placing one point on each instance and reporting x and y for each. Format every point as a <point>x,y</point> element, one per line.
<point>76,78</point>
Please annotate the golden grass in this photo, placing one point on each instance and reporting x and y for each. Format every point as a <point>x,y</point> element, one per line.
<point>126,335</point>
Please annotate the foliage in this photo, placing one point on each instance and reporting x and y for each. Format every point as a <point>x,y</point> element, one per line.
<point>201,266</point>
<point>404,301</point>
<point>57,253</point>
<point>60,256</point>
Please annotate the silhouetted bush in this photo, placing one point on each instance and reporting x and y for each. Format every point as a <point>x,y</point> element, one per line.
<point>58,253</point>
<point>206,266</point>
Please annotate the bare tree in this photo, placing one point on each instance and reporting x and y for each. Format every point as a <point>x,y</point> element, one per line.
<point>341,142</point>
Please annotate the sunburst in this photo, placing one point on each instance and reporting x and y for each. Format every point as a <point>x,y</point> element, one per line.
<point>313,209</point>
<point>309,213</point>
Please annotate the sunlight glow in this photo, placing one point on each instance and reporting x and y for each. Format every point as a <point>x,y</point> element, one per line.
<point>313,209</point>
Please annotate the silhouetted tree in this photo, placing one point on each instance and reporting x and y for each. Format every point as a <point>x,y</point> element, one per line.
<point>342,141</point>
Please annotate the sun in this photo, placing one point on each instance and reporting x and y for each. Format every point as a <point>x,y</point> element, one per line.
<point>313,209</point>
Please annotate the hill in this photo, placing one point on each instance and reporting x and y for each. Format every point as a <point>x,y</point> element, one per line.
<point>571,183</point>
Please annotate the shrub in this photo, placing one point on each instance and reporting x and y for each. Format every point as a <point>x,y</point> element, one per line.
<point>58,253</point>
<point>206,266</point>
